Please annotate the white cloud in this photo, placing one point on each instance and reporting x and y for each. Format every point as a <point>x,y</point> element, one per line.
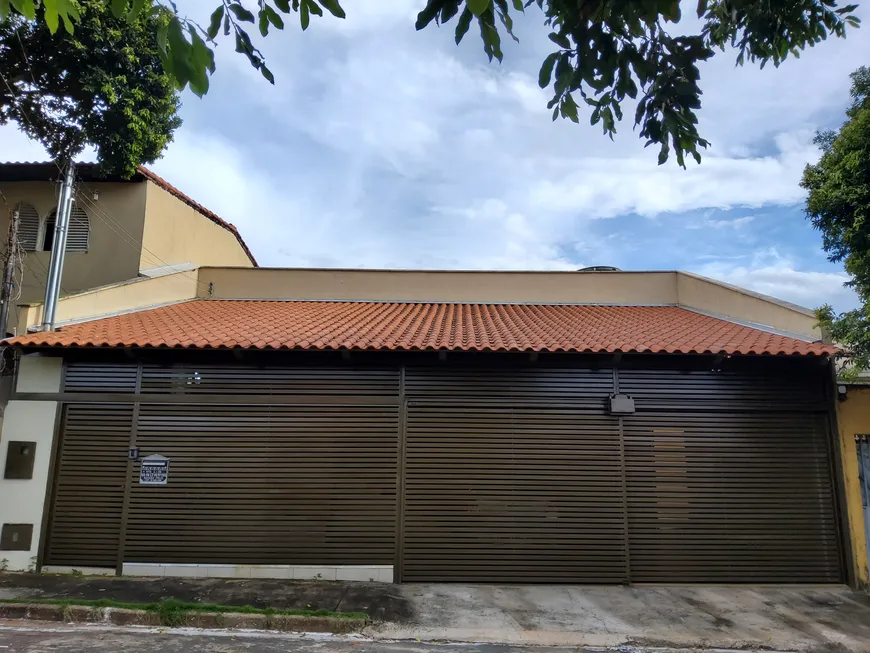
<point>772,274</point>
<point>381,146</point>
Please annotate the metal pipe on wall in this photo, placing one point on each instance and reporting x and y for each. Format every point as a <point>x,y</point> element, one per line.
<point>58,249</point>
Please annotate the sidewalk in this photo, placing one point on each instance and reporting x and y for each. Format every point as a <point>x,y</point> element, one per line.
<point>810,619</point>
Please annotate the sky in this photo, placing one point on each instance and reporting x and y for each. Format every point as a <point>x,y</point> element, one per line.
<point>383,147</point>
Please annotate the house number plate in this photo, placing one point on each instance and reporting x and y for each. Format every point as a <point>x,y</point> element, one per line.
<point>154,470</point>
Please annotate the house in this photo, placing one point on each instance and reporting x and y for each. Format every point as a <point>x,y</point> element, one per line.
<point>122,232</point>
<point>582,427</point>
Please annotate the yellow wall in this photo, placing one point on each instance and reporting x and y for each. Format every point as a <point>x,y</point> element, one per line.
<point>853,416</point>
<point>115,230</point>
<point>137,294</point>
<point>176,233</point>
<point>715,297</point>
<point>668,288</point>
<point>441,286</point>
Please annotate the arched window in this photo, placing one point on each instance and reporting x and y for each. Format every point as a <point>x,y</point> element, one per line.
<point>28,226</point>
<point>78,234</point>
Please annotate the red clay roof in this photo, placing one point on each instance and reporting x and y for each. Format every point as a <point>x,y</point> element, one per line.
<point>312,325</point>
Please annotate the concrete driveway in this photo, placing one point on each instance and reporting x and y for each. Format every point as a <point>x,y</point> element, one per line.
<point>787,618</point>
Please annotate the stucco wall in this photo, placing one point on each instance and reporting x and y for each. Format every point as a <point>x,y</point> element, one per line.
<point>714,297</point>
<point>669,288</point>
<point>140,293</point>
<point>176,233</point>
<point>442,286</point>
<point>853,416</point>
<point>116,220</point>
<point>30,421</point>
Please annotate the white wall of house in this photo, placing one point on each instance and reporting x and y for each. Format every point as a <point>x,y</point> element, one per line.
<point>22,501</point>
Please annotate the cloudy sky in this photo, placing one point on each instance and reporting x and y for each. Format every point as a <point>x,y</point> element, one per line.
<point>383,147</point>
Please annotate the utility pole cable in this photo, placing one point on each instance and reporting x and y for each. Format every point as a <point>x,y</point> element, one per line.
<point>8,273</point>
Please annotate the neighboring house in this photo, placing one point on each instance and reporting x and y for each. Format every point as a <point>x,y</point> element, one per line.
<point>600,427</point>
<point>120,231</point>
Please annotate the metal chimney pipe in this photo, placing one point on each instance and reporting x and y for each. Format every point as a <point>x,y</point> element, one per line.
<point>58,249</point>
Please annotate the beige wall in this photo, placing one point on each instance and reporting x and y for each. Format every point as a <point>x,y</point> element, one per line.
<point>176,233</point>
<point>714,297</point>
<point>669,288</point>
<point>853,417</point>
<point>140,293</point>
<point>116,220</point>
<point>442,286</point>
<point>30,421</point>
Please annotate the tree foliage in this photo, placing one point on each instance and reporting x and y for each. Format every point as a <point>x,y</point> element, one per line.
<point>838,205</point>
<point>609,52</point>
<point>102,85</point>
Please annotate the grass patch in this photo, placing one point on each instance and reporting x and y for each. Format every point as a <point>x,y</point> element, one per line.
<point>172,612</point>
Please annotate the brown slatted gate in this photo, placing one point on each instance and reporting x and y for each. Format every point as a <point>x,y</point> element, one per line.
<point>730,498</point>
<point>516,474</point>
<point>501,486</point>
<point>85,519</point>
<point>309,484</point>
<point>729,478</point>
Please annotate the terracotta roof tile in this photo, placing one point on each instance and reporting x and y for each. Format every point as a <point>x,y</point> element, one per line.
<point>409,326</point>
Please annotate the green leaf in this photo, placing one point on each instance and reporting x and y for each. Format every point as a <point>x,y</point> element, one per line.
<point>569,108</point>
<point>119,8</point>
<point>274,17</point>
<point>304,18</point>
<point>546,72</point>
<point>477,7</point>
<point>313,7</point>
<point>135,10</point>
<point>333,7</point>
<point>214,23</point>
<point>26,8</point>
<point>263,22</point>
<point>162,43</point>
<point>267,74</point>
<point>179,52</point>
<point>241,13</point>
<point>283,5</point>
<point>201,60</point>
<point>427,14</point>
<point>561,40</point>
<point>51,15</point>
<point>663,153</point>
<point>4,8</point>
<point>463,24</point>
<point>518,5</point>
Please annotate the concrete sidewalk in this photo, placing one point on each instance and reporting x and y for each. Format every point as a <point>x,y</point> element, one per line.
<point>823,619</point>
<point>786,618</point>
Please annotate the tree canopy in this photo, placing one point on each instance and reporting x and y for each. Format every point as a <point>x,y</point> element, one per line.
<point>102,85</point>
<point>838,205</point>
<point>608,52</point>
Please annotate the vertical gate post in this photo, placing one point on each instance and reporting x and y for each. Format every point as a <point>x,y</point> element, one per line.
<point>128,477</point>
<point>400,480</point>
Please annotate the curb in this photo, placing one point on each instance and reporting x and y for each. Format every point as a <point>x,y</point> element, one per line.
<point>124,617</point>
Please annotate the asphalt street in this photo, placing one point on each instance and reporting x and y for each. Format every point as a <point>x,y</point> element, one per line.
<point>18,637</point>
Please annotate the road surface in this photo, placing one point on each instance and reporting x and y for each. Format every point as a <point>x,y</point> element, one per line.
<point>30,637</point>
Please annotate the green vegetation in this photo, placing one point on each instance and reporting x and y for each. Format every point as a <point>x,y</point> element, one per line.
<point>838,204</point>
<point>172,612</point>
<point>608,52</point>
